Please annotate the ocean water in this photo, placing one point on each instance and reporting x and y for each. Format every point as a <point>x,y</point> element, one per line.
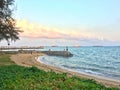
<point>100,61</point>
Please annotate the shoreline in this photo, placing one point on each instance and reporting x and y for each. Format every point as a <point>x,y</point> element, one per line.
<point>32,60</point>
<point>103,77</point>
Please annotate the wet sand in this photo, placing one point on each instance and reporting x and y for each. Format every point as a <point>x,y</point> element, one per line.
<point>32,60</point>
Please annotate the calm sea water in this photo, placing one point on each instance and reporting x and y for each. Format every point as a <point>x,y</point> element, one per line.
<point>101,61</point>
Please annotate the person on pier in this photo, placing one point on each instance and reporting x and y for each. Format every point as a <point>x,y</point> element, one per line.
<point>66,48</point>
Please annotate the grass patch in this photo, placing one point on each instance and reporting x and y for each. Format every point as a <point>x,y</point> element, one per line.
<point>5,60</point>
<point>15,77</point>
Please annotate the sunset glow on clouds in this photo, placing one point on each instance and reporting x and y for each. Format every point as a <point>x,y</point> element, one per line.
<point>44,35</point>
<point>33,30</point>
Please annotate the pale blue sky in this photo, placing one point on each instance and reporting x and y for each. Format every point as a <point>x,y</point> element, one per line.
<point>70,12</point>
<point>98,17</point>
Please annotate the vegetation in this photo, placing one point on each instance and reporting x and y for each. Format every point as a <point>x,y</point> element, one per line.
<point>15,77</point>
<point>5,59</point>
<point>8,31</point>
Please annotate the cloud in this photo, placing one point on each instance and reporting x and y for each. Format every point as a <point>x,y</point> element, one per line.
<point>37,34</point>
<point>33,30</point>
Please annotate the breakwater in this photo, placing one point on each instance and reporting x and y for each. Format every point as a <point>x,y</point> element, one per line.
<point>58,53</point>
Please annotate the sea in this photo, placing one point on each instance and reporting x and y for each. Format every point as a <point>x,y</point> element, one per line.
<point>94,60</point>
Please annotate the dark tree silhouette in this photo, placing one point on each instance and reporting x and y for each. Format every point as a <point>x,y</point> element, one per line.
<point>8,31</point>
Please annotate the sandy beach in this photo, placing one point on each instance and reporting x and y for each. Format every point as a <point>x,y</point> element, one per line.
<point>32,60</point>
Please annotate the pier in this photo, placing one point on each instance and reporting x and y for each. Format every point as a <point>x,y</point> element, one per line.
<point>50,53</point>
<point>58,53</point>
<point>20,48</point>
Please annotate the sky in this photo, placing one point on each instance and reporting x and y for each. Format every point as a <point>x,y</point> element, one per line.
<point>67,22</point>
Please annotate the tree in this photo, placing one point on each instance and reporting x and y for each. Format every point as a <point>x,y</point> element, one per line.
<point>8,31</point>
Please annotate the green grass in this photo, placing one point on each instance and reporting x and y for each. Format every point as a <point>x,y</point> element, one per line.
<point>5,59</point>
<point>15,77</point>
